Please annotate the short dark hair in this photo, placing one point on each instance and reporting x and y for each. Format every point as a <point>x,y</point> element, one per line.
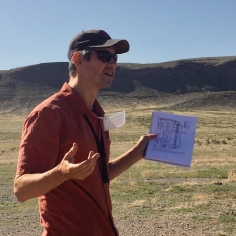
<point>86,56</point>
<point>72,68</point>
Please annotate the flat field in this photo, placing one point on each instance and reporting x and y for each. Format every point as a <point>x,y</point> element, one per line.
<point>150,198</point>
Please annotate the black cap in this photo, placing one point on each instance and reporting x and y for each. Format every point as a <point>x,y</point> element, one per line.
<point>96,39</point>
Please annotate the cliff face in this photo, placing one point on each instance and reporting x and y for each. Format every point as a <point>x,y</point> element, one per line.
<point>23,88</point>
<point>182,76</point>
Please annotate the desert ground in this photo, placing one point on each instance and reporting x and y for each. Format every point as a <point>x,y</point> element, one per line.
<point>151,198</point>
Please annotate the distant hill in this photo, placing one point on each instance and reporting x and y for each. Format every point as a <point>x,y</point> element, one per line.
<point>184,83</point>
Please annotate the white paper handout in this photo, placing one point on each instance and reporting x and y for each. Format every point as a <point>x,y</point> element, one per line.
<point>114,121</point>
<point>175,139</point>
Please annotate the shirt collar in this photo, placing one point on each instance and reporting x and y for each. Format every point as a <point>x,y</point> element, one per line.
<point>77,102</point>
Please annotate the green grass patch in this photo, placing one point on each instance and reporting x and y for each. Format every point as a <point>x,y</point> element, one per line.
<point>227,218</point>
<point>201,217</point>
<point>168,171</point>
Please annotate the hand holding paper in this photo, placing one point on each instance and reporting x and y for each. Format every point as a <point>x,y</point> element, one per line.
<point>175,140</point>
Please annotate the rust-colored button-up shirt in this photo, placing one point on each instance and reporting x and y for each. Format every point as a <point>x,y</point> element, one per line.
<point>76,207</point>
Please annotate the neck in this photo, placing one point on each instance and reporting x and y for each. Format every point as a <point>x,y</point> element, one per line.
<point>85,92</point>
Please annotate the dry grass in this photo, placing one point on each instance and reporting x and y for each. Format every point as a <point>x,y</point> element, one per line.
<point>10,132</point>
<point>150,198</point>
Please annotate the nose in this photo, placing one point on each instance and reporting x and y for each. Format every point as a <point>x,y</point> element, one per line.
<point>112,63</point>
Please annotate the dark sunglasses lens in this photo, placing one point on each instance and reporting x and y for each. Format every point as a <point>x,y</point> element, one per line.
<point>106,56</point>
<point>115,57</point>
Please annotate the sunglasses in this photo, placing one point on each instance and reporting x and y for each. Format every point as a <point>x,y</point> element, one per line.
<point>105,56</point>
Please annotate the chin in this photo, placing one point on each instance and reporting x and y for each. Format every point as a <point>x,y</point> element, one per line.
<point>106,85</point>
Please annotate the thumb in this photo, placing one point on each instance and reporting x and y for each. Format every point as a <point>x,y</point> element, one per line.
<point>70,154</point>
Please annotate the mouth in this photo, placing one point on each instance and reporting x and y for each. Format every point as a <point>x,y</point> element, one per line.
<point>110,74</point>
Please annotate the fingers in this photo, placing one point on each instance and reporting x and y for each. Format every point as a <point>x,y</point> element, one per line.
<point>93,156</point>
<point>142,143</point>
<point>85,168</point>
<point>147,137</point>
<point>152,136</point>
<point>91,162</point>
<point>80,170</point>
<point>90,154</point>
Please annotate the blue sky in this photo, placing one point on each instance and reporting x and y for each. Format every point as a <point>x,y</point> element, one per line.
<point>34,32</point>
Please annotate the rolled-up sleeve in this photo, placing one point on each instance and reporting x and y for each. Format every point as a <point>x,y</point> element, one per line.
<point>39,142</point>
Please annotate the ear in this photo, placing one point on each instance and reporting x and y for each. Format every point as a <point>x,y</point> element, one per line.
<point>77,58</point>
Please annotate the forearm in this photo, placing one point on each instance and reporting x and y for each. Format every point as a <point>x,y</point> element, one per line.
<point>123,162</point>
<point>33,185</point>
<point>29,186</point>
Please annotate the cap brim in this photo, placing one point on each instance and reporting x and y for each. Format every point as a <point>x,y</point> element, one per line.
<point>121,45</point>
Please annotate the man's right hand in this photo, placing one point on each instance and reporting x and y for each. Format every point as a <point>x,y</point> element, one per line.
<point>81,170</point>
<point>28,186</point>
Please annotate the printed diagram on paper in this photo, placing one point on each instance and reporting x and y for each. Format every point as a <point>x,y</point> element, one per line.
<point>175,138</point>
<point>169,134</point>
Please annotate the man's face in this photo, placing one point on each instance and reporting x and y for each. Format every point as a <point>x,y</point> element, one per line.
<point>97,73</point>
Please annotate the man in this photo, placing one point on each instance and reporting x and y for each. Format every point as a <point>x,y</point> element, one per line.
<point>64,151</point>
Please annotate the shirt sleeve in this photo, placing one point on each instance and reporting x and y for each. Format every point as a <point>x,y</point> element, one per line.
<point>39,142</point>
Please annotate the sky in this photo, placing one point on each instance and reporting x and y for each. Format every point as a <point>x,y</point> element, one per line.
<point>34,32</point>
